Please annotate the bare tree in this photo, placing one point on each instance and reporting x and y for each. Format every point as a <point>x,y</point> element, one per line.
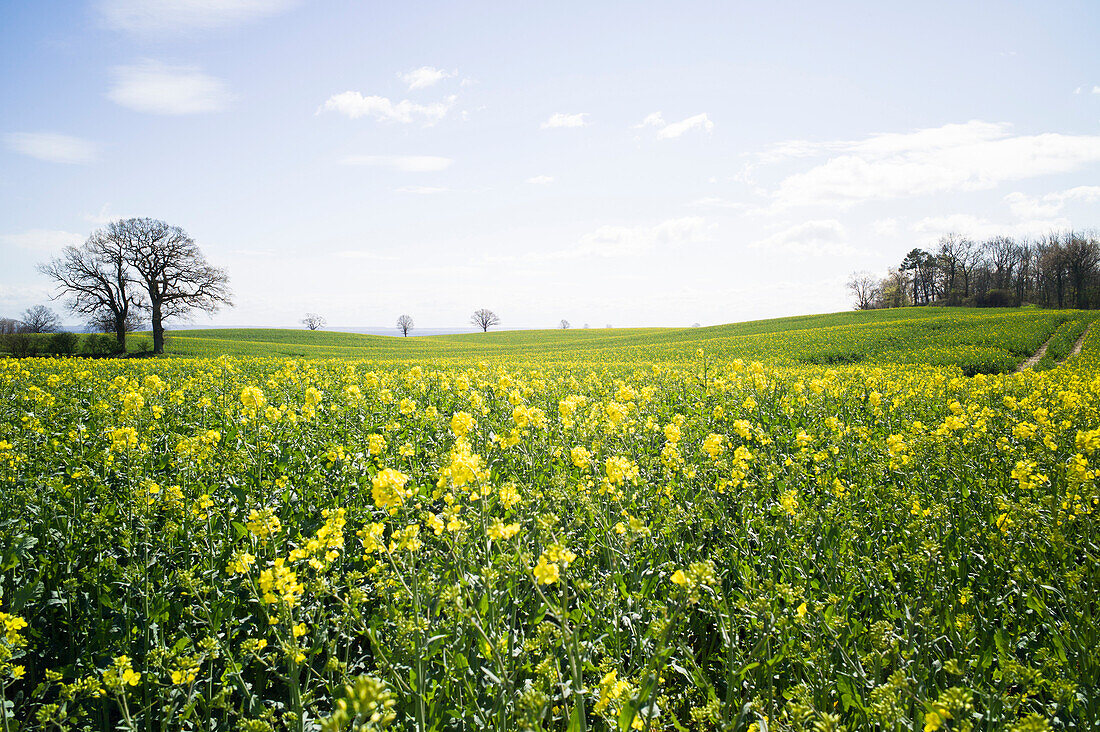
<point>1002,256</point>
<point>1082,255</point>
<point>947,260</point>
<point>864,286</point>
<point>404,324</point>
<point>484,318</point>
<point>564,324</point>
<point>96,279</point>
<point>8,326</point>
<point>1052,270</point>
<point>39,319</point>
<point>172,270</point>
<point>696,325</point>
<point>313,321</point>
<point>1025,259</point>
<point>969,256</point>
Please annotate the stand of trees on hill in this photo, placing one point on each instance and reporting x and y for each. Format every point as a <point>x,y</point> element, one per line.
<point>1060,270</point>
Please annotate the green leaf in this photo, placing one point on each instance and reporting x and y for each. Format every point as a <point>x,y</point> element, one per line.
<point>576,719</point>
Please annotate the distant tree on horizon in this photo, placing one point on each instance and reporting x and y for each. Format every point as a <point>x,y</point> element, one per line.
<point>313,321</point>
<point>39,319</point>
<point>864,286</point>
<point>484,318</point>
<point>405,324</point>
<point>564,324</point>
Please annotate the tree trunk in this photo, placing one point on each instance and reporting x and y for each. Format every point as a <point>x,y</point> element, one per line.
<point>158,329</point>
<point>120,332</point>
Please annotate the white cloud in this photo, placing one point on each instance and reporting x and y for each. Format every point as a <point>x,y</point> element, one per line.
<point>717,202</point>
<point>613,241</point>
<point>358,254</point>
<point>956,157</point>
<point>16,297</point>
<point>354,105</point>
<point>143,16</point>
<point>158,88</point>
<point>675,129</point>
<point>403,163</point>
<point>980,228</point>
<point>561,119</point>
<point>541,180</point>
<point>826,237</point>
<point>52,147</point>
<point>885,227</point>
<point>1050,204</point>
<point>653,119</point>
<point>43,240</point>
<point>668,131</point>
<point>104,216</point>
<point>1096,90</point>
<point>425,76</point>
<point>623,241</point>
<point>421,190</point>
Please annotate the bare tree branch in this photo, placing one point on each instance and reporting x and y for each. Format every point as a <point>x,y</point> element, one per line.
<point>313,321</point>
<point>484,318</point>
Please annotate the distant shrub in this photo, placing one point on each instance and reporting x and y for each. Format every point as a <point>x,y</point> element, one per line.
<point>996,299</point>
<point>62,343</point>
<point>21,345</point>
<point>953,299</point>
<point>99,344</point>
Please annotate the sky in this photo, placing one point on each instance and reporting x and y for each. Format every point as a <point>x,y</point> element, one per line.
<point>609,163</point>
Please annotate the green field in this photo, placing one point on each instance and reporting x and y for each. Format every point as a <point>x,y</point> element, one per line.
<point>979,341</point>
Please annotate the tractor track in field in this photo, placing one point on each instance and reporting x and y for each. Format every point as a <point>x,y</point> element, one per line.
<point>1043,351</point>
<point>1036,358</point>
<point>1080,342</point>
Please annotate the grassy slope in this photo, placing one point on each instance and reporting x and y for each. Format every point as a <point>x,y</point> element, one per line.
<point>988,341</point>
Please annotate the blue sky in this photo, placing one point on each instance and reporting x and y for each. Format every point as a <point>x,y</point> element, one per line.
<point>626,163</point>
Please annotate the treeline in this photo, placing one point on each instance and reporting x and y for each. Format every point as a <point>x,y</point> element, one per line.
<point>1060,270</point>
<point>38,333</point>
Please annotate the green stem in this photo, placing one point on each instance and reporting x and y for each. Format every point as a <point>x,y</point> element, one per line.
<point>4,703</point>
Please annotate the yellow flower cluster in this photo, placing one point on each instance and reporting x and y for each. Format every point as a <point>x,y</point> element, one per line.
<point>280,583</point>
<point>388,488</point>
<point>552,560</point>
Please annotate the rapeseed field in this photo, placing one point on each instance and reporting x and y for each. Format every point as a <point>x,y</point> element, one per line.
<point>644,539</point>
